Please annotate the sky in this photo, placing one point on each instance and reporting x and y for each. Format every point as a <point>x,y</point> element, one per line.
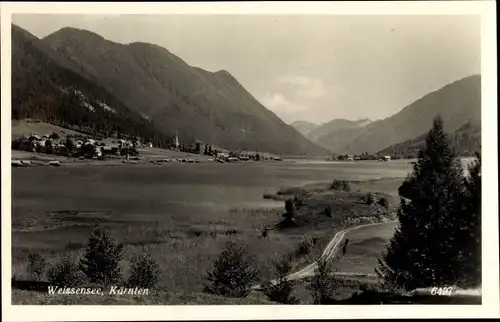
<point>305,67</point>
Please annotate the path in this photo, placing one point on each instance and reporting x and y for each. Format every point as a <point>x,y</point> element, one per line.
<point>329,252</point>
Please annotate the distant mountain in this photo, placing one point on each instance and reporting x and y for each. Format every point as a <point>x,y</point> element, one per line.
<point>197,104</point>
<point>458,103</point>
<point>304,127</point>
<point>44,90</point>
<point>466,140</point>
<point>333,135</point>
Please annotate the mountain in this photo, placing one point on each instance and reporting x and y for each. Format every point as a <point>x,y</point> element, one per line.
<point>457,103</point>
<point>304,127</point>
<point>466,140</point>
<point>197,104</point>
<point>44,90</point>
<point>333,135</point>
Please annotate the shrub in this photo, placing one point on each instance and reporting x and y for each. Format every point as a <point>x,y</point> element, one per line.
<point>264,232</point>
<point>54,136</point>
<point>281,290</point>
<point>324,284</point>
<point>340,185</point>
<point>369,199</point>
<point>234,272</point>
<point>49,148</point>
<point>17,143</point>
<point>144,272</point>
<point>328,211</point>
<point>383,202</point>
<point>66,273</point>
<point>298,202</point>
<point>289,207</point>
<point>69,144</point>
<point>101,259</point>
<point>305,246</point>
<point>36,266</point>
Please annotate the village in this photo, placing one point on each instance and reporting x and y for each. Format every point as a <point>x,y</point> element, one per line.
<point>128,149</point>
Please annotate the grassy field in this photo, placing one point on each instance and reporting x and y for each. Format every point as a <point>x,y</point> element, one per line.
<point>20,128</point>
<point>56,209</point>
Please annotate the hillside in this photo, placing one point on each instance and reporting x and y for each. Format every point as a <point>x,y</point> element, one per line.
<point>327,129</point>
<point>197,104</point>
<point>334,134</point>
<point>43,90</point>
<point>466,141</point>
<point>458,103</point>
<point>304,127</point>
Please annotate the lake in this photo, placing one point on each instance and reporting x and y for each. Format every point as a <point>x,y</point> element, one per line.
<point>175,192</point>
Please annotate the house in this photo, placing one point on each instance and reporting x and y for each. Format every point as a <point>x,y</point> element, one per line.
<point>350,157</point>
<point>34,137</point>
<point>386,158</point>
<point>222,155</point>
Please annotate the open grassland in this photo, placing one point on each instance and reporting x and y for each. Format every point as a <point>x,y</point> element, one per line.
<point>20,128</point>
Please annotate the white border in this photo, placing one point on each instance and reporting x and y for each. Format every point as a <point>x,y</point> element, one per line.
<point>490,306</point>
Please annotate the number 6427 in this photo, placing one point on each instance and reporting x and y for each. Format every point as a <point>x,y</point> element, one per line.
<point>442,291</point>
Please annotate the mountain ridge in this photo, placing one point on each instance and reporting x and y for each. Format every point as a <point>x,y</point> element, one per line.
<point>458,102</point>
<point>46,91</point>
<point>156,84</point>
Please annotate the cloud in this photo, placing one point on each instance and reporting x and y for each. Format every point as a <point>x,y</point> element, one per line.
<point>287,109</point>
<point>305,86</point>
<point>293,96</point>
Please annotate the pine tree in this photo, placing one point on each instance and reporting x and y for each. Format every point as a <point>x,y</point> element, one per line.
<point>281,290</point>
<point>234,272</point>
<point>424,252</point>
<point>470,256</point>
<point>324,284</point>
<point>102,258</point>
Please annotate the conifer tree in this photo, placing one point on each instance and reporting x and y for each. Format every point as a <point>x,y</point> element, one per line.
<point>102,258</point>
<point>281,290</point>
<point>324,284</point>
<point>234,272</point>
<point>470,257</point>
<point>424,251</point>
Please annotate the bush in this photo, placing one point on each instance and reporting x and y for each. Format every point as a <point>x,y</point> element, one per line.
<point>69,144</point>
<point>328,211</point>
<point>281,290</point>
<point>66,273</point>
<point>324,284</point>
<point>234,272</point>
<point>36,266</point>
<point>17,143</point>
<point>101,259</point>
<point>369,199</point>
<point>289,207</point>
<point>340,185</point>
<point>145,272</point>
<point>383,202</point>
<point>54,136</point>
<point>305,246</point>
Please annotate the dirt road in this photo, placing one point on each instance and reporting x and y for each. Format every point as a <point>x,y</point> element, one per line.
<point>330,251</point>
